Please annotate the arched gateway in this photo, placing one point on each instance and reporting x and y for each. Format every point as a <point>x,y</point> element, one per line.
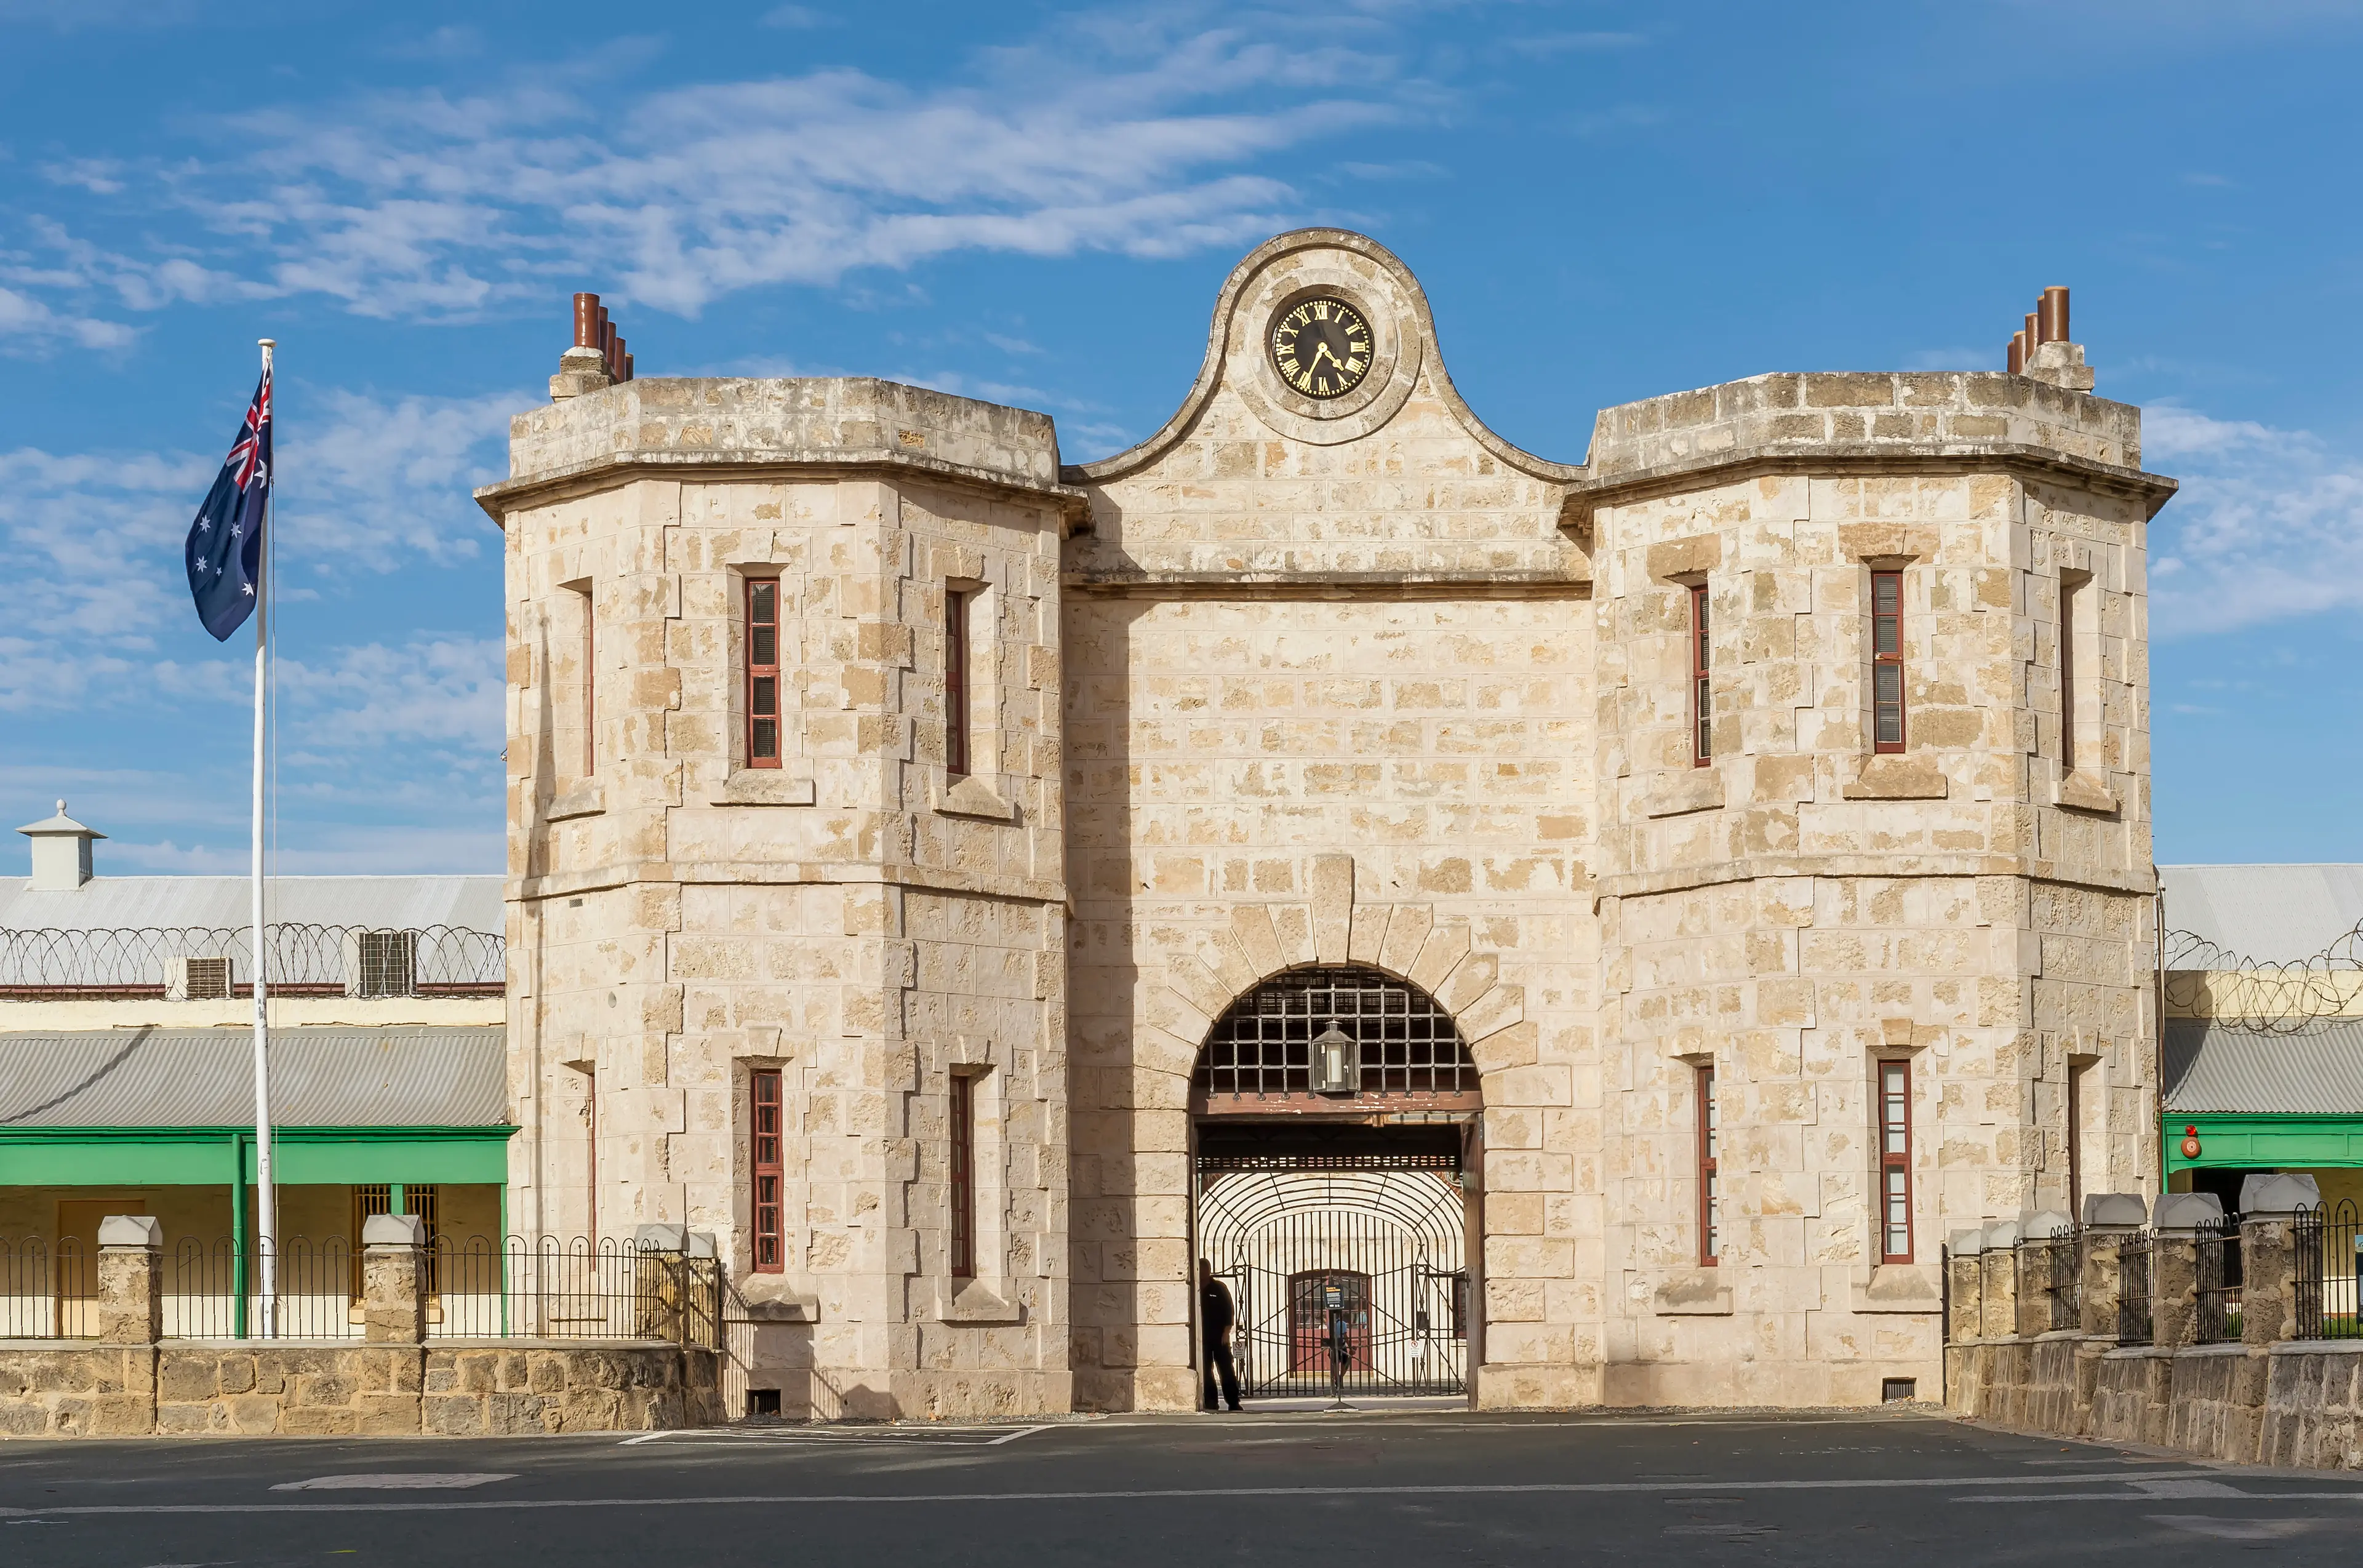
<point>1335,1111</point>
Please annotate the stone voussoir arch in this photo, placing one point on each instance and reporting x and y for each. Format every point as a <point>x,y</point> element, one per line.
<point>1405,940</point>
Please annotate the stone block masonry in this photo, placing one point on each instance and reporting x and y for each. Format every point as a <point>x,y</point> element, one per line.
<point>1589,753</point>
<point>389,1383</point>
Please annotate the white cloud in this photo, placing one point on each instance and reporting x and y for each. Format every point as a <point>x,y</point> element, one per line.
<point>2269,523</point>
<point>1116,137</point>
<point>28,325</point>
<point>95,538</point>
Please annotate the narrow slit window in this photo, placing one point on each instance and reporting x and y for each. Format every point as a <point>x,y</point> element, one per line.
<point>770,1250</point>
<point>1701,685</point>
<point>1710,1229</point>
<point>2075,1142</point>
<point>1895,1162</point>
<point>763,672</point>
<point>590,685</point>
<point>2067,676</point>
<point>956,682</point>
<point>963,1175</point>
<point>1887,661</point>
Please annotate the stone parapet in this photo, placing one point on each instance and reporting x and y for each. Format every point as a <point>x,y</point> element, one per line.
<point>354,1389</point>
<point>1894,416</point>
<point>681,424</point>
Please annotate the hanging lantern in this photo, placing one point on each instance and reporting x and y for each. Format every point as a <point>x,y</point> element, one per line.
<point>1336,1062</point>
<point>2191,1143</point>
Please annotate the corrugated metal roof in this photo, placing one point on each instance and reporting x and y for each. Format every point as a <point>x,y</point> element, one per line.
<point>2269,914</point>
<point>120,903</point>
<point>417,1076</point>
<point>2316,1071</point>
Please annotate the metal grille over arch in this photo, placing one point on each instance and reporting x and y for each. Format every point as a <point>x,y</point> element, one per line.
<point>1260,1056</point>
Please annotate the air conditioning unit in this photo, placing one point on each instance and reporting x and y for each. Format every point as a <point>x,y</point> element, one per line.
<point>381,964</point>
<point>196,979</point>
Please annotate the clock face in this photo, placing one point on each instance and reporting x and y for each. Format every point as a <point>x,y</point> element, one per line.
<point>1320,347</point>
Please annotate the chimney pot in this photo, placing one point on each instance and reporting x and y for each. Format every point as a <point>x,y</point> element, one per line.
<point>2054,314</point>
<point>586,320</point>
<point>2014,356</point>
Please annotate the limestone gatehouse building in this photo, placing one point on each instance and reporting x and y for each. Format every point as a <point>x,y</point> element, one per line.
<point>1591,928</point>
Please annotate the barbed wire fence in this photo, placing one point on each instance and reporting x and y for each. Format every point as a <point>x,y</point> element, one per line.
<point>303,959</point>
<point>2259,996</point>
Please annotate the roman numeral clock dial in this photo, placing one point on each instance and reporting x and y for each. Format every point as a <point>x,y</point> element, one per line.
<point>1320,347</point>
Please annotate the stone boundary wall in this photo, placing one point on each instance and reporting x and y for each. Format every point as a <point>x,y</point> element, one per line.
<point>132,1382</point>
<point>264,1388</point>
<point>2264,1398</point>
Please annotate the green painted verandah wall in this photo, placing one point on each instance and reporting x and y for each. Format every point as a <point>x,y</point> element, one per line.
<point>2263,1141</point>
<point>210,1156</point>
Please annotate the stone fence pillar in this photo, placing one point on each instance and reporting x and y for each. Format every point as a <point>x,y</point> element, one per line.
<point>2269,1208</point>
<point>130,1289</point>
<point>2109,1218</point>
<point>1998,1280</point>
<point>393,1270</point>
<point>1963,1278</point>
<point>2039,1233</point>
<point>2174,1264</point>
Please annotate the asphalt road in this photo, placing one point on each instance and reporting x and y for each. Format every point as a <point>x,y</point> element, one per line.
<point>1369,1491</point>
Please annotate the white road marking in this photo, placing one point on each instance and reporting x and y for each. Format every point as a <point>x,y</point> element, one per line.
<point>398,1481</point>
<point>2030,1489</point>
<point>824,1436</point>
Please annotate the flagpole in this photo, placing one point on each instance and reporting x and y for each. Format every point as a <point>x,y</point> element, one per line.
<point>265,1198</point>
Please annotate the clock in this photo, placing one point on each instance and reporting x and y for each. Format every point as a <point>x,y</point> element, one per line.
<point>1320,347</point>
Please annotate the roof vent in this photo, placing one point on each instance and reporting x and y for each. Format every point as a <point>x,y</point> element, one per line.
<point>196,979</point>
<point>381,964</point>
<point>60,852</point>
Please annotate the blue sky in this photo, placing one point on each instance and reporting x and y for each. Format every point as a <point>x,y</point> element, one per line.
<point>1036,204</point>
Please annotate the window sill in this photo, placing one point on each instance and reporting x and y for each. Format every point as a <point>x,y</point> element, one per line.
<point>2085,790</point>
<point>765,786</point>
<point>1697,789</point>
<point>974,796</point>
<point>1898,1287</point>
<point>1896,775</point>
<point>977,1301</point>
<point>588,798</point>
<point>771,1299</point>
<point>1694,1294</point>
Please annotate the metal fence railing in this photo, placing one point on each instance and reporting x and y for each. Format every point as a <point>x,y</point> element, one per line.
<point>45,1282</point>
<point>210,962</point>
<point>475,1287</point>
<point>2329,1261</point>
<point>2134,1325</point>
<point>2065,1281</point>
<point>2217,1285</point>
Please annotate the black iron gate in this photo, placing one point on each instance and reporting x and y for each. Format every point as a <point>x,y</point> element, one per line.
<point>1383,1244</point>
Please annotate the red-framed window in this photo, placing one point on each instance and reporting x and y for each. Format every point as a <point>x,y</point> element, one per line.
<point>1895,1162</point>
<point>763,1160</point>
<point>2067,676</point>
<point>956,681</point>
<point>1701,685</point>
<point>1710,1127</point>
<point>1887,661</point>
<point>762,646</point>
<point>590,685</point>
<point>963,1175</point>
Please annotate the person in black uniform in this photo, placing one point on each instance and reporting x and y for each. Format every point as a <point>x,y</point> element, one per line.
<point>1216,1315</point>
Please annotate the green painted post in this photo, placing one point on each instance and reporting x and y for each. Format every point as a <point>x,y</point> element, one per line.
<point>238,1232</point>
<point>395,1199</point>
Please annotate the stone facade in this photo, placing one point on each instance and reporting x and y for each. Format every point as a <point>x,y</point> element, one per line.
<point>1346,681</point>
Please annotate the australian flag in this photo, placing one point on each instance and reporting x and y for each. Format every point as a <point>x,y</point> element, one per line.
<point>225,547</point>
